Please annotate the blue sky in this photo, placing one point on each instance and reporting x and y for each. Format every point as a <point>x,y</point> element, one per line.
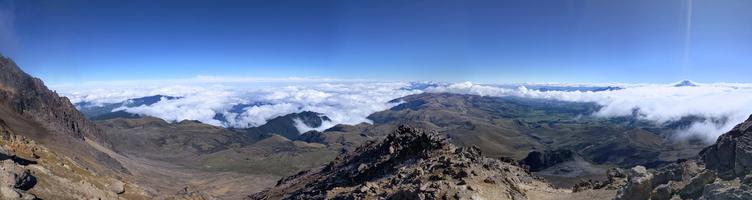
<point>479,41</point>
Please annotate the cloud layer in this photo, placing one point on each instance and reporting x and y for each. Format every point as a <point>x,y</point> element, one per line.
<point>343,103</point>
<point>724,105</point>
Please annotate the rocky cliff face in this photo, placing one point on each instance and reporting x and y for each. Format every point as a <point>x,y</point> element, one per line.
<point>29,96</point>
<point>47,148</point>
<point>731,155</point>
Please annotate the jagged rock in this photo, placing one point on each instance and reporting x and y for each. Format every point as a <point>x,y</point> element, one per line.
<point>44,133</point>
<point>582,186</point>
<point>694,189</point>
<point>672,172</point>
<point>726,192</point>
<point>29,96</point>
<point>614,173</point>
<point>407,164</point>
<point>662,192</point>
<point>731,155</point>
<point>639,185</point>
<point>25,180</point>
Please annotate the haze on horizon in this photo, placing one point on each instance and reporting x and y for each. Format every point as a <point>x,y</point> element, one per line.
<point>453,41</point>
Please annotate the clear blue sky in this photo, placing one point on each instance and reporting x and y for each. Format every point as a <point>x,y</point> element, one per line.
<point>481,41</point>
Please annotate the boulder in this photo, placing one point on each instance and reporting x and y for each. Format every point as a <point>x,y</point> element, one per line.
<point>662,192</point>
<point>14,175</point>
<point>696,185</point>
<point>118,187</point>
<point>25,180</point>
<point>639,185</point>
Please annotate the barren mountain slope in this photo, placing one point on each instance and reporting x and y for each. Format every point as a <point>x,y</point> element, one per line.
<point>47,130</point>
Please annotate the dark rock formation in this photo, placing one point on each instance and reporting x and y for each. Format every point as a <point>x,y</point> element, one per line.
<point>15,180</point>
<point>538,161</point>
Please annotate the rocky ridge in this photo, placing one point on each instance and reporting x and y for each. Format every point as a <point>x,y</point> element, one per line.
<point>29,96</point>
<point>47,147</point>
<point>412,164</point>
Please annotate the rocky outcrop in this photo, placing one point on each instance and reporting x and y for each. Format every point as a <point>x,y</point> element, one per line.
<point>727,191</point>
<point>638,185</point>
<point>407,164</point>
<point>731,155</point>
<point>722,171</point>
<point>15,181</point>
<point>29,96</point>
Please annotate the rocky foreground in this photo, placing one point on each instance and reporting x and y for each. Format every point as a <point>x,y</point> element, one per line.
<point>413,164</point>
<point>721,171</point>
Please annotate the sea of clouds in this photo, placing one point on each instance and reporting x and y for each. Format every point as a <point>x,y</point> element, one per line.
<point>351,102</point>
<point>343,103</point>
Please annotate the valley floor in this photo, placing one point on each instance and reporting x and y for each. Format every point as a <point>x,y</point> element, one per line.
<point>168,180</point>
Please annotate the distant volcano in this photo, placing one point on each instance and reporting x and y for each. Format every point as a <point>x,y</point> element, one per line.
<point>686,83</point>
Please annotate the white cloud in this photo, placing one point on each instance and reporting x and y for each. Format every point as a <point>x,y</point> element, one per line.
<point>302,127</point>
<point>343,103</point>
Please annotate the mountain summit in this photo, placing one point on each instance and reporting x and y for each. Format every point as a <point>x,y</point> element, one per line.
<point>686,83</point>
<point>28,96</point>
<point>413,164</point>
